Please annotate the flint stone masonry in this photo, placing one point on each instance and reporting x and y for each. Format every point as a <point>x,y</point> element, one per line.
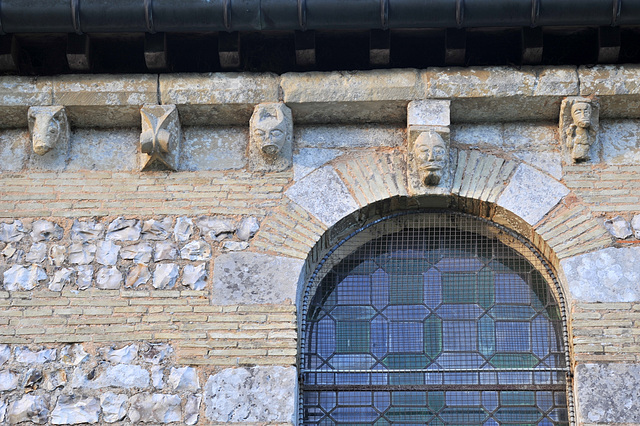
<point>264,394</point>
<point>252,278</point>
<point>608,393</point>
<point>531,194</point>
<point>324,184</point>
<point>160,408</point>
<point>73,410</point>
<point>607,275</point>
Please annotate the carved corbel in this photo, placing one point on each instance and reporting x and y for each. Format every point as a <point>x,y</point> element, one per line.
<point>429,158</point>
<point>49,129</point>
<point>579,123</point>
<point>160,138</point>
<point>271,136</point>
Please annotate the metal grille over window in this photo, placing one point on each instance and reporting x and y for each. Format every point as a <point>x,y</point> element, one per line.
<point>433,318</point>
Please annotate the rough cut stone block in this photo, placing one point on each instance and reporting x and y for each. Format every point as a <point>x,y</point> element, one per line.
<point>252,278</point>
<point>349,136</point>
<point>217,98</point>
<point>429,113</point>
<point>113,406</point>
<point>29,408</point>
<point>608,393</point>
<point>124,355</point>
<point>118,376</point>
<point>159,408</point>
<point>607,275</point>
<point>309,159</point>
<point>531,194</point>
<point>618,227</point>
<point>258,394</point>
<point>25,356</point>
<point>72,410</point>
<point>184,379</point>
<point>15,147</point>
<point>609,80</point>
<point>557,81</point>
<point>19,278</point>
<point>105,100</point>
<point>95,149</point>
<point>210,148</point>
<point>8,381</point>
<point>619,141</point>
<point>477,82</point>
<point>315,189</point>
<point>43,230</point>
<point>17,94</point>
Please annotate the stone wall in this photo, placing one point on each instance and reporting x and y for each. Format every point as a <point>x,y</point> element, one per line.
<point>170,296</point>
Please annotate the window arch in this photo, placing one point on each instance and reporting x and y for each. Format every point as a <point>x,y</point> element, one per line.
<point>433,318</point>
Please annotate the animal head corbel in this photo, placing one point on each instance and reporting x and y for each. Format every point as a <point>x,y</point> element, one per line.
<point>49,128</point>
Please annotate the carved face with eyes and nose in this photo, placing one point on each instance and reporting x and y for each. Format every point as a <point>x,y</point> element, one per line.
<point>431,156</point>
<point>270,128</point>
<point>47,127</point>
<point>581,114</point>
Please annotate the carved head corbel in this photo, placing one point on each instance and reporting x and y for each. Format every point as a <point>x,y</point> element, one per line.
<point>579,121</point>
<point>270,137</point>
<point>48,126</point>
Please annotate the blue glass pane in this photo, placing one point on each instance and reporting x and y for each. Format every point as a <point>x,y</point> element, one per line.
<point>379,336</point>
<point>354,414</point>
<point>521,415</point>
<point>460,264</point>
<point>513,336</point>
<point>490,400</point>
<point>433,336</point>
<point>404,415</point>
<point>405,312</point>
<point>486,336</point>
<point>432,288</point>
<point>380,282</point>
<point>510,288</point>
<point>512,312</point>
<point>469,416</point>
<point>352,362</point>
<point>353,313</point>
<point>463,398</point>
<point>409,398</point>
<point>327,400</point>
<point>406,337</point>
<point>381,400</point>
<point>354,290</point>
<point>459,311</point>
<point>365,268</point>
<point>518,398</point>
<point>406,266</point>
<point>544,400</point>
<point>460,335</point>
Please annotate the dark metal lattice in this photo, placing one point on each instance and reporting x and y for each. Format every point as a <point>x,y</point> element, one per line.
<point>433,318</point>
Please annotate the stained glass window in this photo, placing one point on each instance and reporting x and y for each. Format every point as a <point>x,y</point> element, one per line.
<point>433,318</point>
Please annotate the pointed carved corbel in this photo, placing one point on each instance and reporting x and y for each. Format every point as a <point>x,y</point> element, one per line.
<point>49,129</point>
<point>579,123</point>
<point>160,138</point>
<point>271,136</point>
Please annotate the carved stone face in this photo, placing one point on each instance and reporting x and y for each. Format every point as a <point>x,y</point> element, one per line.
<point>581,114</point>
<point>270,130</point>
<point>46,128</point>
<point>431,156</point>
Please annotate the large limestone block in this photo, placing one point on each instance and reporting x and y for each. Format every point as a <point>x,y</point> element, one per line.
<point>17,94</point>
<point>323,97</point>
<point>217,98</point>
<point>608,393</point>
<point>251,278</point>
<point>479,82</point>
<point>531,194</point>
<point>607,275</point>
<point>258,394</point>
<point>617,86</point>
<point>103,100</point>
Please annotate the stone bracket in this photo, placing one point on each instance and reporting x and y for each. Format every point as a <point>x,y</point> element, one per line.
<point>49,129</point>
<point>160,138</point>
<point>271,137</point>
<point>579,124</point>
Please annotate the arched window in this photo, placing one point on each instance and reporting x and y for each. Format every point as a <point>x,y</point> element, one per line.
<point>435,318</point>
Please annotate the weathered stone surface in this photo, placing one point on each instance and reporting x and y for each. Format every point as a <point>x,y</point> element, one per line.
<point>258,394</point>
<point>607,275</point>
<point>43,230</point>
<point>312,192</point>
<point>235,245</point>
<point>165,250</point>
<point>195,276</point>
<point>93,149</point>
<point>270,137</point>
<point>210,148</point>
<point>54,380</point>
<point>557,81</point>
<point>124,230</point>
<point>125,355</point>
<point>192,409</point>
<point>183,230</point>
<point>476,82</point>
<point>33,378</point>
<point>155,407</point>
<point>12,232</point>
<point>196,250</point>
<point>635,224</point>
<point>84,276</point>
<point>82,253</point>
<point>165,275</point>
<point>86,231</point>
<point>137,276</point>
<point>184,379</point>
<point>352,136</point>
<point>19,278</point>
<point>609,80</point>
<point>29,408</point>
<point>253,278</point>
<point>3,410</point>
<point>73,354</point>
<point>14,148</point>
<point>11,253</point>
<point>156,353</point>
<point>118,376</point>
<point>114,406</point>
<point>49,129</point>
<point>108,278</point>
<point>309,159</point>
<point>157,376</point>
<point>57,255</point>
<point>5,354</point>
<point>213,227</point>
<point>161,138</point>
<point>107,253</point>
<point>71,410</point>
<point>8,380</point>
<point>61,278</point>
<point>432,112</point>
<point>139,253</point>
<point>619,140</point>
<point>37,253</point>
<point>531,194</point>
<point>608,393</point>
<point>25,356</point>
<point>247,228</point>
<point>153,229</point>
<point>618,227</point>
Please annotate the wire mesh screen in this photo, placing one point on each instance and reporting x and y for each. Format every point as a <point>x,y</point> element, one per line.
<point>432,318</point>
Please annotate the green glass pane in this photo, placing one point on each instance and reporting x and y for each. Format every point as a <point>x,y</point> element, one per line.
<point>486,288</point>
<point>436,422</point>
<point>526,398</point>
<point>433,336</point>
<point>406,378</point>
<point>463,415</point>
<point>352,336</point>
<point>402,362</point>
<point>409,414</point>
<point>514,360</point>
<point>522,415</point>
<point>540,288</point>
<point>409,398</point>
<point>351,313</point>
<point>458,287</point>
<point>436,401</point>
<point>406,289</point>
<point>382,422</point>
<point>326,422</point>
<point>486,336</point>
<point>553,312</point>
<point>509,312</point>
<point>406,266</point>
